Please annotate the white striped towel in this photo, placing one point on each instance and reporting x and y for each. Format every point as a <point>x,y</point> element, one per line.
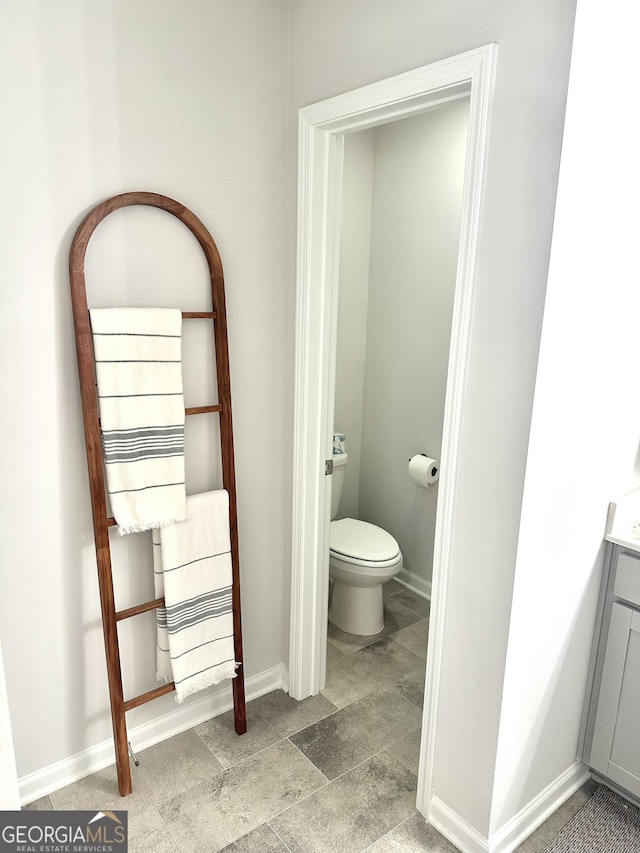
<point>192,565</point>
<point>139,374</point>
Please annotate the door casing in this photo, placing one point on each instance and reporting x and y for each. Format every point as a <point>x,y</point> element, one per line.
<point>321,130</point>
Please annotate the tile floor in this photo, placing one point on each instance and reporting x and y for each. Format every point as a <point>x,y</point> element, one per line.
<point>335,773</point>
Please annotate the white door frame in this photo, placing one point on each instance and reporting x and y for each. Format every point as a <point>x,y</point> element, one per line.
<point>322,127</point>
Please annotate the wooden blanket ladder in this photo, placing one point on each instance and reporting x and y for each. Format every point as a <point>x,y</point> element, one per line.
<point>101,522</point>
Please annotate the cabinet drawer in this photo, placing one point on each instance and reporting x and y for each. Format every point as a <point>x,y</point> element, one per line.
<point>627,582</point>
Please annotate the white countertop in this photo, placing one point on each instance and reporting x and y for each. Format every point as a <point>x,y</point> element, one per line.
<point>621,517</point>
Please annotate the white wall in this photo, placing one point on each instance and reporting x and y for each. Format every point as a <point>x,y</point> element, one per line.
<point>369,40</point>
<point>188,99</point>
<point>9,799</point>
<point>585,429</point>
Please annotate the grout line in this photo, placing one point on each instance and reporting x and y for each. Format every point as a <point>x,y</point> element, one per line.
<point>389,831</point>
<point>376,638</point>
<point>330,642</point>
<point>173,838</point>
<point>205,744</point>
<point>375,755</point>
<point>233,767</point>
<point>330,782</point>
<point>268,746</point>
<point>315,767</point>
<point>280,839</point>
<point>273,743</point>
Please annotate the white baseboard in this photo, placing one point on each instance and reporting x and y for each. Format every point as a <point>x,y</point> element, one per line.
<point>414,582</point>
<point>528,819</point>
<point>461,834</point>
<point>467,839</point>
<point>183,717</point>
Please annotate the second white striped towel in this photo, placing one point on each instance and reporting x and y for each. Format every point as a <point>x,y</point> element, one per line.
<point>192,569</point>
<point>139,374</point>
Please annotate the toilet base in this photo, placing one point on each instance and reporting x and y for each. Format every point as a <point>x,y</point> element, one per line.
<point>357,609</point>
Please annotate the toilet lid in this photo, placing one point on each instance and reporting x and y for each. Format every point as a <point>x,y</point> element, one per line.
<point>362,541</point>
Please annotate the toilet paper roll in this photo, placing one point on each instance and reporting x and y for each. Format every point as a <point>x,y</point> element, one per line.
<point>423,470</point>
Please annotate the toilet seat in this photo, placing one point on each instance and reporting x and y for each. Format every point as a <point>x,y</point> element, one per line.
<point>360,543</point>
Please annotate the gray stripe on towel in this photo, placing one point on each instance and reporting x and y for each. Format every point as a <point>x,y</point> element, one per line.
<point>143,453</point>
<point>193,674</point>
<point>197,560</point>
<point>142,432</point>
<point>198,609</point>
<point>131,335</point>
<point>195,648</point>
<point>144,488</point>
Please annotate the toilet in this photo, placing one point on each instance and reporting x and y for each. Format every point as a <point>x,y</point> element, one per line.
<point>362,557</point>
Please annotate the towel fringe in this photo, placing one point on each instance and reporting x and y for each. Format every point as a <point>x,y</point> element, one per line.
<point>123,530</point>
<point>228,671</point>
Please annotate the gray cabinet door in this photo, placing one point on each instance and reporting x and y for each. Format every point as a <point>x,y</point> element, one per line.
<point>615,749</point>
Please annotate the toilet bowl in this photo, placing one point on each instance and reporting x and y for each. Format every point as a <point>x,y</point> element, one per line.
<point>362,556</point>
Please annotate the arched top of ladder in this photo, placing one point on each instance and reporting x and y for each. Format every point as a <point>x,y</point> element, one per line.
<point>102,210</point>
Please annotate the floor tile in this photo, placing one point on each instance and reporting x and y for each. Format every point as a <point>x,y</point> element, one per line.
<point>340,742</point>
<point>375,667</point>
<point>223,809</point>
<point>414,638</point>
<point>354,810</point>
<point>558,820</point>
<point>334,654</point>
<point>261,840</point>
<point>407,750</point>
<point>43,804</point>
<point>396,616</point>
<point>415,835</point>
<point>270,718</point>
<point>411,686</point>
<point>149,834</point>
<point>391,588</point>
<point>272,797</point>
<point>183,754</point>
<point>412,601</point>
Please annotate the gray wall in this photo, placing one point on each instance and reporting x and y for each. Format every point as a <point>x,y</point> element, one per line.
<point>186,99</point>
<point>395,384</point>
<point>353,298</point>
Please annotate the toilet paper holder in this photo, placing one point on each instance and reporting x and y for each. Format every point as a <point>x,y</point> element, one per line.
<point>424,470</point>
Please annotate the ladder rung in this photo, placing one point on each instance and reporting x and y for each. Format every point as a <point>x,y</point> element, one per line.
<point>148,697</point>
<point>199,315</point>
<point>200,410</point>
<point>139,608</point>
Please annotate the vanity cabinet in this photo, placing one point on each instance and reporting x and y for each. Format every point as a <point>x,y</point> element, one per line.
<point>612,743</point>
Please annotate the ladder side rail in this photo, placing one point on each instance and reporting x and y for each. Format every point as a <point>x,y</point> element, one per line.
<point>229,483</point>
<point>88,393</point>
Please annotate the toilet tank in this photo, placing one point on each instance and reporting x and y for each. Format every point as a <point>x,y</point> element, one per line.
<point>337,479</point>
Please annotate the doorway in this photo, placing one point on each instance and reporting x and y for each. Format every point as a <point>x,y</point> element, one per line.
<point>400,231</point>
<point>323,127</point>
